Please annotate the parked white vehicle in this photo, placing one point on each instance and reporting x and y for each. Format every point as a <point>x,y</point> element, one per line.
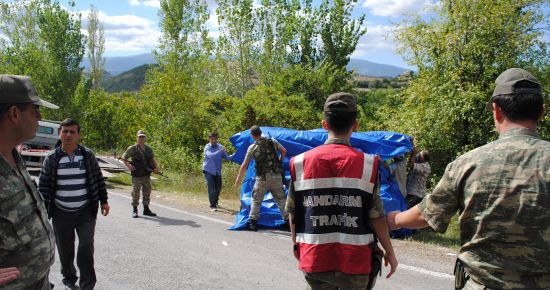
<point>46,137</point>
<point>35,150</point>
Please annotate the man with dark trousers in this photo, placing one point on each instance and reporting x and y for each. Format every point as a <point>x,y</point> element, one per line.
<point>214,153</point>
<point>73,188</point>
<point>334,207</point>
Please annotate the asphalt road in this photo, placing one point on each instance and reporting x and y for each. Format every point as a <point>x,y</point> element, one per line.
<point>183,249</point>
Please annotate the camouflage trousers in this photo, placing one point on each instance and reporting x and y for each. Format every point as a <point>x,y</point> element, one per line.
<point>43,284</point>
<point>521,282</point>
<point>335,280</point>
<point>142,183</point>
<point>271,182</point>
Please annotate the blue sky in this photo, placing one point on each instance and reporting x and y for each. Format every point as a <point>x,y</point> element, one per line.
<point>131,26</point>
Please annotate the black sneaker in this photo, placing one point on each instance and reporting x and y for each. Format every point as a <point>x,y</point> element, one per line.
<point>134,212</point>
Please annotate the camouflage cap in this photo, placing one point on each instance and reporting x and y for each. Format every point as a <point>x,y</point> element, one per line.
<point>515,81</point>
<point>341,102</point>
<point>141,133</point>
<point>255,130</point>
<point>19,90</point>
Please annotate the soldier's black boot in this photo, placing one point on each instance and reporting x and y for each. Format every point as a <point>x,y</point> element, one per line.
<point>134,212</point>
<point>252,225</point>
<point>147,211</point>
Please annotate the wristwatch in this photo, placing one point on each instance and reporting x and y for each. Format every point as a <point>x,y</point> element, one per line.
<point>295,247</point>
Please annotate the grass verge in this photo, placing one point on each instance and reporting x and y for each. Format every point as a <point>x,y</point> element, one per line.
<point>451,238</point>
<point>193,184</point>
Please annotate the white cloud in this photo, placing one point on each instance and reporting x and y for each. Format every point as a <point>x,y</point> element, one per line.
<point>152,3</point>
<point>149,3</point>
<point>377,38</point>
<point>126,33</point>
<point>397,7</point>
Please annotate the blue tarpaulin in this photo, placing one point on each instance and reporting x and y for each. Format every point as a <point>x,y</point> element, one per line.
<point>384,144</point>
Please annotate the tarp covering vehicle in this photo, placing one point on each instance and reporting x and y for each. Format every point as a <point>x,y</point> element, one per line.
<point>387,145</point>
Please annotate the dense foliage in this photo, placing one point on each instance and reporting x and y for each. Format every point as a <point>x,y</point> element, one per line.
<point>273,65</point>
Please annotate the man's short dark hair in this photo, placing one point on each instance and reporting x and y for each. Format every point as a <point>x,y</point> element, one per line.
<point>5,107</point>
<point>340,122</point>
<point>255,130</point>
<point>522,107</point>
<point>213,134</point>
<point>71,122</point>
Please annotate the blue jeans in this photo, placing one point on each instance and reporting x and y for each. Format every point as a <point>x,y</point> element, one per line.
<point>214,183</point>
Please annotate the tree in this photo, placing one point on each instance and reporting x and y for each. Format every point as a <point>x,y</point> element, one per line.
<point>45,42</point>
<point>340,33</point>
<point>238,40</point>
<point>96,47</point>
<point>459,52</point>
<point>184,39</point>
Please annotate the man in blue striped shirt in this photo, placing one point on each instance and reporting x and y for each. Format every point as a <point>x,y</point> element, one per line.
<point>72,185</point>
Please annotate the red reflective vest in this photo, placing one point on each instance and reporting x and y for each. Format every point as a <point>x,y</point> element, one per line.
<point>333,186</point>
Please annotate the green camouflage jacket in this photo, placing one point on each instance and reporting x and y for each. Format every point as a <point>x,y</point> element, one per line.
<point>502,191</point>
<point>27,240</point>
<point>142,160</point>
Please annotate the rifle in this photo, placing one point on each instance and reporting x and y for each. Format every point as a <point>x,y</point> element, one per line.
<point>148,169</point>
<point>461,276</point>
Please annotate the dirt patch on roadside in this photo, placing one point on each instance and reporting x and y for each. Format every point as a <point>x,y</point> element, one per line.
<point>192,202</point>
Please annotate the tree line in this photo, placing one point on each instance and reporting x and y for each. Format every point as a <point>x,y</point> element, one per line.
<point>273,65</point>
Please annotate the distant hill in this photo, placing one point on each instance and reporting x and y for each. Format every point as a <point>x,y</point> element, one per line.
<point>372,69</point>
<point>120,64</point>
<point>130,81</point>
<point>128,73</point>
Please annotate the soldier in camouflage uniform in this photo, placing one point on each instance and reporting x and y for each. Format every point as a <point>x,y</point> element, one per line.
<point>268,173</point>
<point>27,241</point>
<point>502,191</point>
<point>140,159</point>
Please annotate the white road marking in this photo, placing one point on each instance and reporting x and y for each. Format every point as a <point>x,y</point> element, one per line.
<point>402,266</point>
<point>178,210</point>
<point>425,271</point>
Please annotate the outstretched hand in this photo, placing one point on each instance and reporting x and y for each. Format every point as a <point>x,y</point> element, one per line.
<point>7,275</point>
<point>390,219</point>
